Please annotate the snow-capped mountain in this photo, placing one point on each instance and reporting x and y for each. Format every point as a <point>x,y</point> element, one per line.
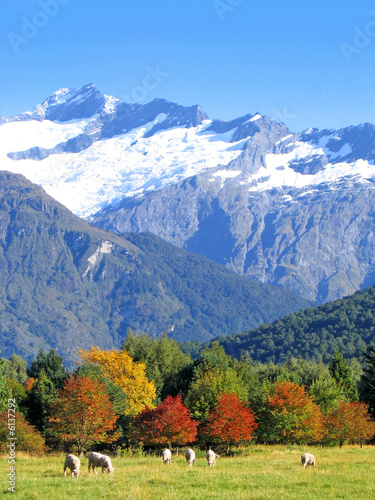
<point>293,209</point>
<point>88,150</point>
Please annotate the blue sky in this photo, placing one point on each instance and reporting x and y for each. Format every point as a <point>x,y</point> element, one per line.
<point>283,59</point>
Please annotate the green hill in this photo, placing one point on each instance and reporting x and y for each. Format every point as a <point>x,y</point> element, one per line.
<point>66,284</point>
<point>314,333</point>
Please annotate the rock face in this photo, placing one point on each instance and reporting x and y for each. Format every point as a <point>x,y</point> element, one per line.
<point>67,285</point>
<point>291,209</point>
<point>305,223</point>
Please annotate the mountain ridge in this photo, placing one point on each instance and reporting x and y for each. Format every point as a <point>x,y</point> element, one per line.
<point>68,285</point>
<point>291,209</point>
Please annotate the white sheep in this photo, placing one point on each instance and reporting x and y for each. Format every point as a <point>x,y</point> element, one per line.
<point>73,463</point>
<point>190,456</point>
<point>308,459</point>
<point>211,458</point>
<point>99,460</point>
<point>167,456</point>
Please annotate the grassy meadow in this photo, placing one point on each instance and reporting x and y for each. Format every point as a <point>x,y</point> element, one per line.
<point>261,472</point>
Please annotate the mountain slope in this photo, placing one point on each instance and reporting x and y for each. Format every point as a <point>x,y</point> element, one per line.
<point>286,211</point>
<point>291,209</point>
<point>347,324</point>
<point>65,284</point>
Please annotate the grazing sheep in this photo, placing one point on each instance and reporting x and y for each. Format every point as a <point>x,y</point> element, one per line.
<point>211,458</point>
<point>308,459</point>
<point>167,456</point>
<point>72,462</point>
<point>190,456</point>
<point>99,460</point>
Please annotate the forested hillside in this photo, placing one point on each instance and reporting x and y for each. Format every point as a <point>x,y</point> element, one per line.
<point>347,324</point>
<point>67,285</point>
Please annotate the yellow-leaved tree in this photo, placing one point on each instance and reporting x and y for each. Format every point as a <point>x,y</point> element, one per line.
<point>120,368</point>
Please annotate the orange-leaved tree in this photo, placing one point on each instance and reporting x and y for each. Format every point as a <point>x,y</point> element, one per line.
<point>167,424</point>
<point>120,368</point>
<point>291,415</point>
<point>230,421</point>
<point>83,414</point>
<point>349,421</point>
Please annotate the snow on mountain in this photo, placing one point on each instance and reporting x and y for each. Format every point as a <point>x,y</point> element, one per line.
<point>89,150</point>
<point>111,169</point>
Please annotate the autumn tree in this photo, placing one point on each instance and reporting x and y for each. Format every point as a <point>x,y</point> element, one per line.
<point>119,367</point>
<point>28,438</point>
<point>349,421</point>
<point>167,424</point>
<point>115,392</point>
<point>83,414</point>
<point>230,421</point>
<point>290,415</point>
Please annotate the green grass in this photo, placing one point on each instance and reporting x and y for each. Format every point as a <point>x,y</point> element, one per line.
<point>262,473</point>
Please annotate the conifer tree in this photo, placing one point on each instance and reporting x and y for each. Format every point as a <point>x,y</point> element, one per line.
<point>341,372</point>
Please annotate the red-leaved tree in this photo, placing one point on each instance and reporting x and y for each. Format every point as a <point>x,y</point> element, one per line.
<point>350,421</point>
<point>167,424</point>
<point>83,414</point>
<point>230,421</point>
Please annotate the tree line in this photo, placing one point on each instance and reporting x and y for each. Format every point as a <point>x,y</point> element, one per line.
<point>346,324</point>
<point>151,394</point>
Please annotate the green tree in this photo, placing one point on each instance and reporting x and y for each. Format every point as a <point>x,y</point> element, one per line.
<point>213,375</point>
<point>49,375</point>
<point>341,372</point>
<point>19,393</point>
<point>15,368</point>
<point>52,364</point>
<point>326,392</point>
<point>163,359</point>
<point>5,392</point>
<point>368,380</point>
<point>39,401</point>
